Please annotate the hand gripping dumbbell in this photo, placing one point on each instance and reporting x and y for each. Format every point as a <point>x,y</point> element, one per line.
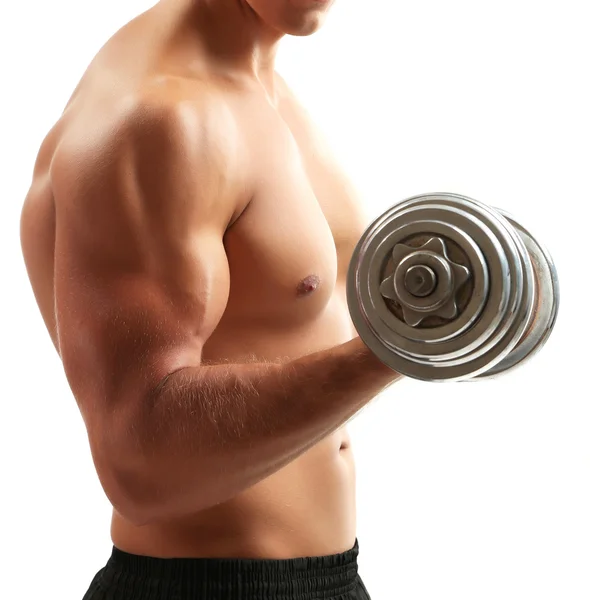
<point>442,287</point>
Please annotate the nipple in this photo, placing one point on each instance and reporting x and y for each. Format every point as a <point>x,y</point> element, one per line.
<point>308,285</point>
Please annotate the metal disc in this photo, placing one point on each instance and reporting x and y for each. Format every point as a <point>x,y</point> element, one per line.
<point>546,304</point>
<point>491,321</point>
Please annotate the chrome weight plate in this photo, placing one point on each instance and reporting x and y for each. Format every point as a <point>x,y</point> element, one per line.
<point>546,304</point>
<point>440,287</point>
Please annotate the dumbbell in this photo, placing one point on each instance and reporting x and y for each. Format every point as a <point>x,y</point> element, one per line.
<point>442,287</point>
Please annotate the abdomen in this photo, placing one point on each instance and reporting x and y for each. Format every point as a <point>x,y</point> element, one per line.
<point>308,507</point>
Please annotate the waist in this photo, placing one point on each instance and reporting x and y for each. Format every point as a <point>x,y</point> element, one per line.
<point>307,508</point>
<point>303,578</point>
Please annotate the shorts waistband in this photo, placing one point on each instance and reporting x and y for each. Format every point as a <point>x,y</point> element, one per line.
<point>241,578</point>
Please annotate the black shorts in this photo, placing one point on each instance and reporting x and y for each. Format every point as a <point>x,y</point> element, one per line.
<point>133,577</point>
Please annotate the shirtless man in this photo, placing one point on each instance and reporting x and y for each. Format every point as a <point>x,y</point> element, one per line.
<point>187,237</point>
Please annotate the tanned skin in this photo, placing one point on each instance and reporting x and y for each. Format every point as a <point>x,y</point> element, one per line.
<point>187,236</point>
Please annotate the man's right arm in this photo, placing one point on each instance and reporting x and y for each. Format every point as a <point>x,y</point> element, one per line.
<point>141,282</point>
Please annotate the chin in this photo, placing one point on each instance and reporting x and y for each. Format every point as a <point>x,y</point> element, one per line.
<point>309,27</point>
<point>292,17</point>
<point>304,23</point>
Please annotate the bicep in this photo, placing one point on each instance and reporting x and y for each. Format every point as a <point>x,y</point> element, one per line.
<point>138,291</point>
<point>121,330</point>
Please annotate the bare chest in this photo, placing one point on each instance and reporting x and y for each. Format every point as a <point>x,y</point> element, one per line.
<point>289,250</point>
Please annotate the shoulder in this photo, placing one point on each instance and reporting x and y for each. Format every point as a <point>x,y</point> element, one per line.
<point>166,114</point>
<point>171,139</point>
<point>170,126</point>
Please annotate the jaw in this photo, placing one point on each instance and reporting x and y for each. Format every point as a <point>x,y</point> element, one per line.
<point>298,18</point>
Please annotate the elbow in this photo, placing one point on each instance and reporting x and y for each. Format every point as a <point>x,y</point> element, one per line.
<point>135,513</point>
<point>144,498</point>
<point>128,493</point>
<point>125,472</point>
<point>139,515</point>
<point>147,489</point>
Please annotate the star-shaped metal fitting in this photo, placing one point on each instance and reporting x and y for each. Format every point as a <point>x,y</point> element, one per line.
<point>425,281</point>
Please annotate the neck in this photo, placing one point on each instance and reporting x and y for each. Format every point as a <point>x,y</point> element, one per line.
<point>230,33</point>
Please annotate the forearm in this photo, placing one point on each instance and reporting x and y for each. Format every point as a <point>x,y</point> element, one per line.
<point>212,431</point>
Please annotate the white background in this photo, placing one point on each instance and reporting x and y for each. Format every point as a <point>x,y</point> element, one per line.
<point>465,491</point>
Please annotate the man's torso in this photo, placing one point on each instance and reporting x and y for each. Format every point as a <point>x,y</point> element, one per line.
<point>288,252</point>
